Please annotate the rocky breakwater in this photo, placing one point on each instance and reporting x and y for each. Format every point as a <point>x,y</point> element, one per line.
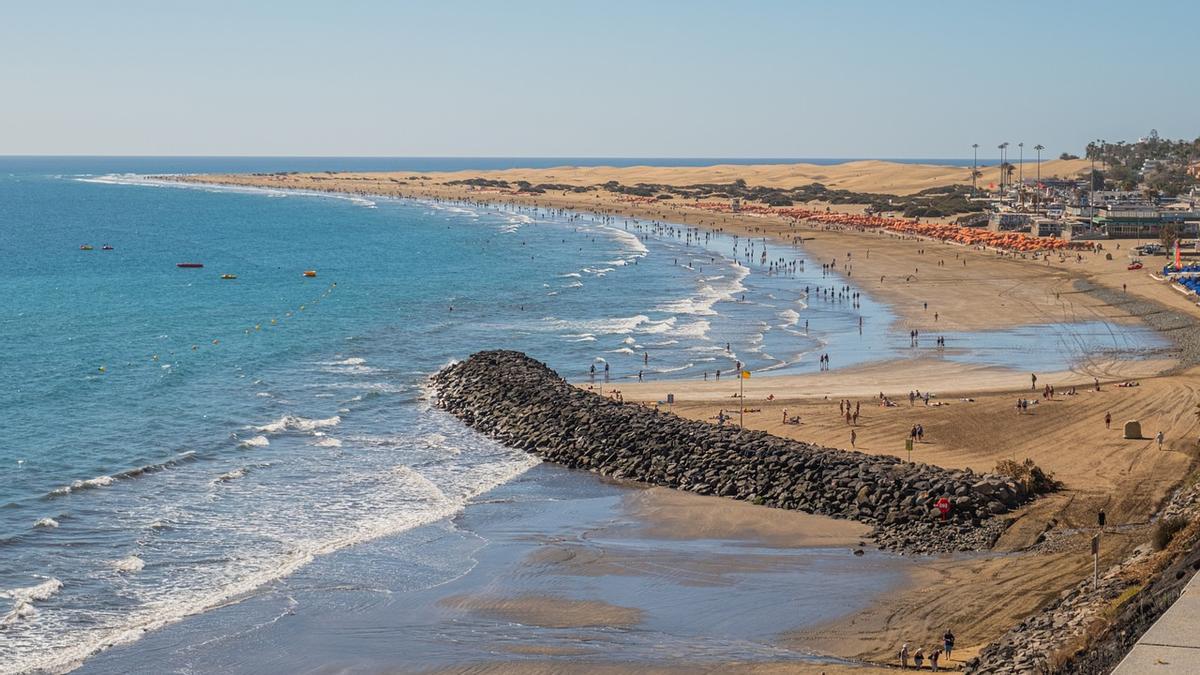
<point>524,404</point>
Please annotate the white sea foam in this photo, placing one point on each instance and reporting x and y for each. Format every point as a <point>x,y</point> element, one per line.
<point>46,522</point>
<point>352,361</point>
<point>295,423</point>
<point>23,599</point>
<point>696,329</point>
<point>328,442</point>
<point>98,481</point>
<point>607,326</point>
<point>790,318</point>
<point>130,564</point>
<point>514,222</point>
<point>622,350</point>
<point>709,294</point>
<point>655,327</point>
<point>37,593</point>
<point>237,473</point>
<point>256,442</point>
<point>628,240</point>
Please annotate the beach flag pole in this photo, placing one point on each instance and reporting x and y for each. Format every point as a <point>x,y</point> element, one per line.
<point>742,377</point>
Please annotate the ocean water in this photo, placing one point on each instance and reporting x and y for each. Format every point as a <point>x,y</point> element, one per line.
<point>173,441</point>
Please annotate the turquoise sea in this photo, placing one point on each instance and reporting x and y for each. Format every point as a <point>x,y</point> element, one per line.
<point>174,441</point>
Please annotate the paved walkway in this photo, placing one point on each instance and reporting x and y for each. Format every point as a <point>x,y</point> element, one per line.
<point>1172,645</point>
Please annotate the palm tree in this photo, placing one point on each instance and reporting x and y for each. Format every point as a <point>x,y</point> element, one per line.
<point>1003,146</point>
<point>1037,195</point>
<point>1021,163</point>
<point>974,167</point>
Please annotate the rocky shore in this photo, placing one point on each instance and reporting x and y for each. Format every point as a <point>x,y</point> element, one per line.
<point>523,403</point>
<point>1089,628</point>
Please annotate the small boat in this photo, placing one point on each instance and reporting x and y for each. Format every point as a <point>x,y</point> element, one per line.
<point>310,273</point>
<point>189,265</point>
<point>85,247</point>
<point>106,247</point>
<point>228,276</point>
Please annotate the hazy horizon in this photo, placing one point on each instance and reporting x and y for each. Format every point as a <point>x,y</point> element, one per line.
<point>767,79</point>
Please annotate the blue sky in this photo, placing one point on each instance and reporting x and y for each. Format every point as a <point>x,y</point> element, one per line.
<point>611,78</point>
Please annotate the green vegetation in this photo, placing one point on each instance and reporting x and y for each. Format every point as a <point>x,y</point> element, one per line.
<point>1160,164</point>
<point>931,203</point>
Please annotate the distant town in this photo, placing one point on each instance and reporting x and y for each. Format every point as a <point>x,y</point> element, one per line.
<point>1149,189</point>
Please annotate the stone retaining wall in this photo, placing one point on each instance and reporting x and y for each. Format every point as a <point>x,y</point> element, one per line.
<point>524,404</point>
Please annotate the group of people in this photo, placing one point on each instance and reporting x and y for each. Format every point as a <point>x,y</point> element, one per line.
<point>920,654</point>
<point>914,396</point>
<point>849,411</point>
<point>917,433</point>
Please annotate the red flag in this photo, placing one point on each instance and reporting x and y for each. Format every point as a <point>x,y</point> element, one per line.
<point>1178,256</point>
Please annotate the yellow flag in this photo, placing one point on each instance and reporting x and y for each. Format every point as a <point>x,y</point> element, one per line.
<point>745,374</point>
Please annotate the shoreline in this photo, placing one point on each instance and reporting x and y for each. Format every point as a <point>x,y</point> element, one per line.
<point>1022,287</point>
<point>825,240</point>
<point>565,569</point>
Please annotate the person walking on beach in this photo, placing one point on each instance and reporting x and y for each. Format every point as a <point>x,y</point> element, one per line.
<point>1159,437</point>
<point>853,437</point>
<point>639,376</point>
<point>904,655</point>
<point>948,642</point>
<point>1107,420</point>
<point>919,658</point>
<point>1033,378</point>
<point>593,372</point>
<point>933,658</point>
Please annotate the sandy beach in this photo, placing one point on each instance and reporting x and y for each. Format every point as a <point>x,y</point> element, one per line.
<point>972,423</point>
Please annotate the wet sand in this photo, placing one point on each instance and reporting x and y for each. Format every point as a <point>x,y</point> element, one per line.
<point>1046,548</point>
<point>547,611</point>
<point>560,571</point>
